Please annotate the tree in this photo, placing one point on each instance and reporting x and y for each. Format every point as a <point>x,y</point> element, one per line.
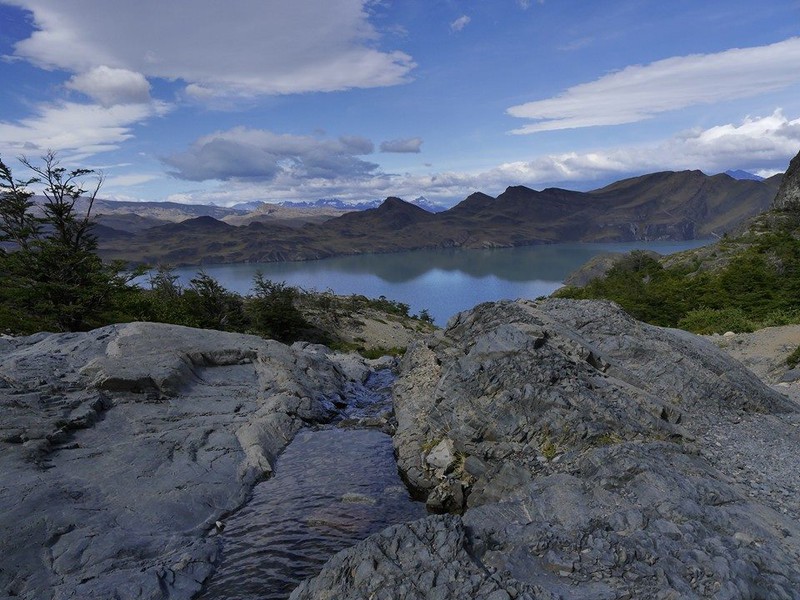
<point>212,306</point>
<point>63,189</point>
<point>17,223</point>
<point>52,277</point>
<point>273,312</point>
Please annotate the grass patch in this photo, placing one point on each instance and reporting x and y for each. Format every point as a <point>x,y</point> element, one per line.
<point>610,438</point>
<point>794,358</point>
<point>549,449</point>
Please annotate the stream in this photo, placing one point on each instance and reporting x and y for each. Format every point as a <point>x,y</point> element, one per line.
<point>331,488</point>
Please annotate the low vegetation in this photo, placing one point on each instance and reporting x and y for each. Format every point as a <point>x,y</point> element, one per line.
<point>794,358</point>
<point>758,284</point>
<point>51,278</point>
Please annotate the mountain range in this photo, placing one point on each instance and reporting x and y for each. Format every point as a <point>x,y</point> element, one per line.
<point>659,206</point>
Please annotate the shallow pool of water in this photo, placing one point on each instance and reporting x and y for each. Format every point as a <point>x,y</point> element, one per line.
<point>331,488</point>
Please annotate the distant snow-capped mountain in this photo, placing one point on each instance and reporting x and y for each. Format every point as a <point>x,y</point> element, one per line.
<point>248,206</point>
<point>422,202</point>
<point>739,174</point>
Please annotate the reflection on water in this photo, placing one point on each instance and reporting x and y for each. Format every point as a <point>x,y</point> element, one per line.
<point>442,281</point>
<point>330,488</point>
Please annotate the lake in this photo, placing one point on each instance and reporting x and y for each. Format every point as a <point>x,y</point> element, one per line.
<point>442,281</point>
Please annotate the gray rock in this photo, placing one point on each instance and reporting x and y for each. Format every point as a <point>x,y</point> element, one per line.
<point>788,196</point>
<point>598,266</point>
<point>593,465</point>
<point>426,559</point>
<point>122,447</point>
<point>791,376</point>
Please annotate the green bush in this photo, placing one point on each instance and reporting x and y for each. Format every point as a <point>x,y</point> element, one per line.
<point>272,310</point>
<point>794,358</point>
<point>759,287</point>
<point>716,320</point>
<point>212,306</point>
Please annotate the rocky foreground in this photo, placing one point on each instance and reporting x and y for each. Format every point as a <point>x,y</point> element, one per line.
<point>121,447</point>
<point>592,457</point>
<point>571,451</point>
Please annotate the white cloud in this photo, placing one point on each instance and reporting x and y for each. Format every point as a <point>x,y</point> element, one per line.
<point>112,86</point>
<point>761,145</point>
<point>129,180</point>
<point>234,48</point>
<point>254,154</point>
<point>77,130</point>
<point>407,145</point>
<point>640,92</point>
<point>754,144</point>
<point>460,23</point>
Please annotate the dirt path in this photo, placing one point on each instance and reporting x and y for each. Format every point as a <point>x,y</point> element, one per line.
<point>764,352</point>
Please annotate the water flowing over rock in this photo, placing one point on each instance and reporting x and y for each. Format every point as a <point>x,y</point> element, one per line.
<point>121,447</point>
<point>580,452</point>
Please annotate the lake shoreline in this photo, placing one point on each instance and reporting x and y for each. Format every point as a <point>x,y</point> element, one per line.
<point>443,282</point>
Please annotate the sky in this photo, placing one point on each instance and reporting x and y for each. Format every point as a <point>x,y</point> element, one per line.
<point>201,101</point>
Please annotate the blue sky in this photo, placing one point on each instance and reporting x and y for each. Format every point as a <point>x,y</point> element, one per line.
<point>206,101</point>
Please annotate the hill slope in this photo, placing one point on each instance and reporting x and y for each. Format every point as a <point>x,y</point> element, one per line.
<point>745,281</point>
<point>659,206</point>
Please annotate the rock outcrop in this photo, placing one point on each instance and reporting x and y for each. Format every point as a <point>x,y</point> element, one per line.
<point>599,266</point>
<point>789,193</point>
<point>121,447</point>
<point>590,456</point>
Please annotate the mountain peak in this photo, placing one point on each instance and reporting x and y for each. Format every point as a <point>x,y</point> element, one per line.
<point>739,174</point>
<point>394,204</point>
<point>472,203</point>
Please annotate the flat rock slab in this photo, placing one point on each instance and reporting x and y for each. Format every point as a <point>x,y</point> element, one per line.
<point>121,447</point>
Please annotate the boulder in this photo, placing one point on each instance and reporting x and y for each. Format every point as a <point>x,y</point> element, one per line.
<point>592,465</point>
<point>788,196</point>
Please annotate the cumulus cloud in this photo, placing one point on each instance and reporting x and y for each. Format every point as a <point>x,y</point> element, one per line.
<point>235,48</point>
<point>109,86</point>
<point>258,155</point>
<point>77,130</point>
<point>755,143</point>
<point>761,145</point>
<point>460,23</point>
<point>640,92</point>
<point>407,145</point>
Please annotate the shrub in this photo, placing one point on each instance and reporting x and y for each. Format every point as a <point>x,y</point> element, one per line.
<point>716,320</point>
<point>272,311</point>
<point>759,286</point>
<point>212,306</point>
<point>794,358</point>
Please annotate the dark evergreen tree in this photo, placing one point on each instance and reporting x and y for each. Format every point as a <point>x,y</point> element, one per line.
<point>50,274</point>
<point>273,312</point>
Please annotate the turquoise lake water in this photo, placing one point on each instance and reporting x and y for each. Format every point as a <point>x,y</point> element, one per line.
<point>442,281</point>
